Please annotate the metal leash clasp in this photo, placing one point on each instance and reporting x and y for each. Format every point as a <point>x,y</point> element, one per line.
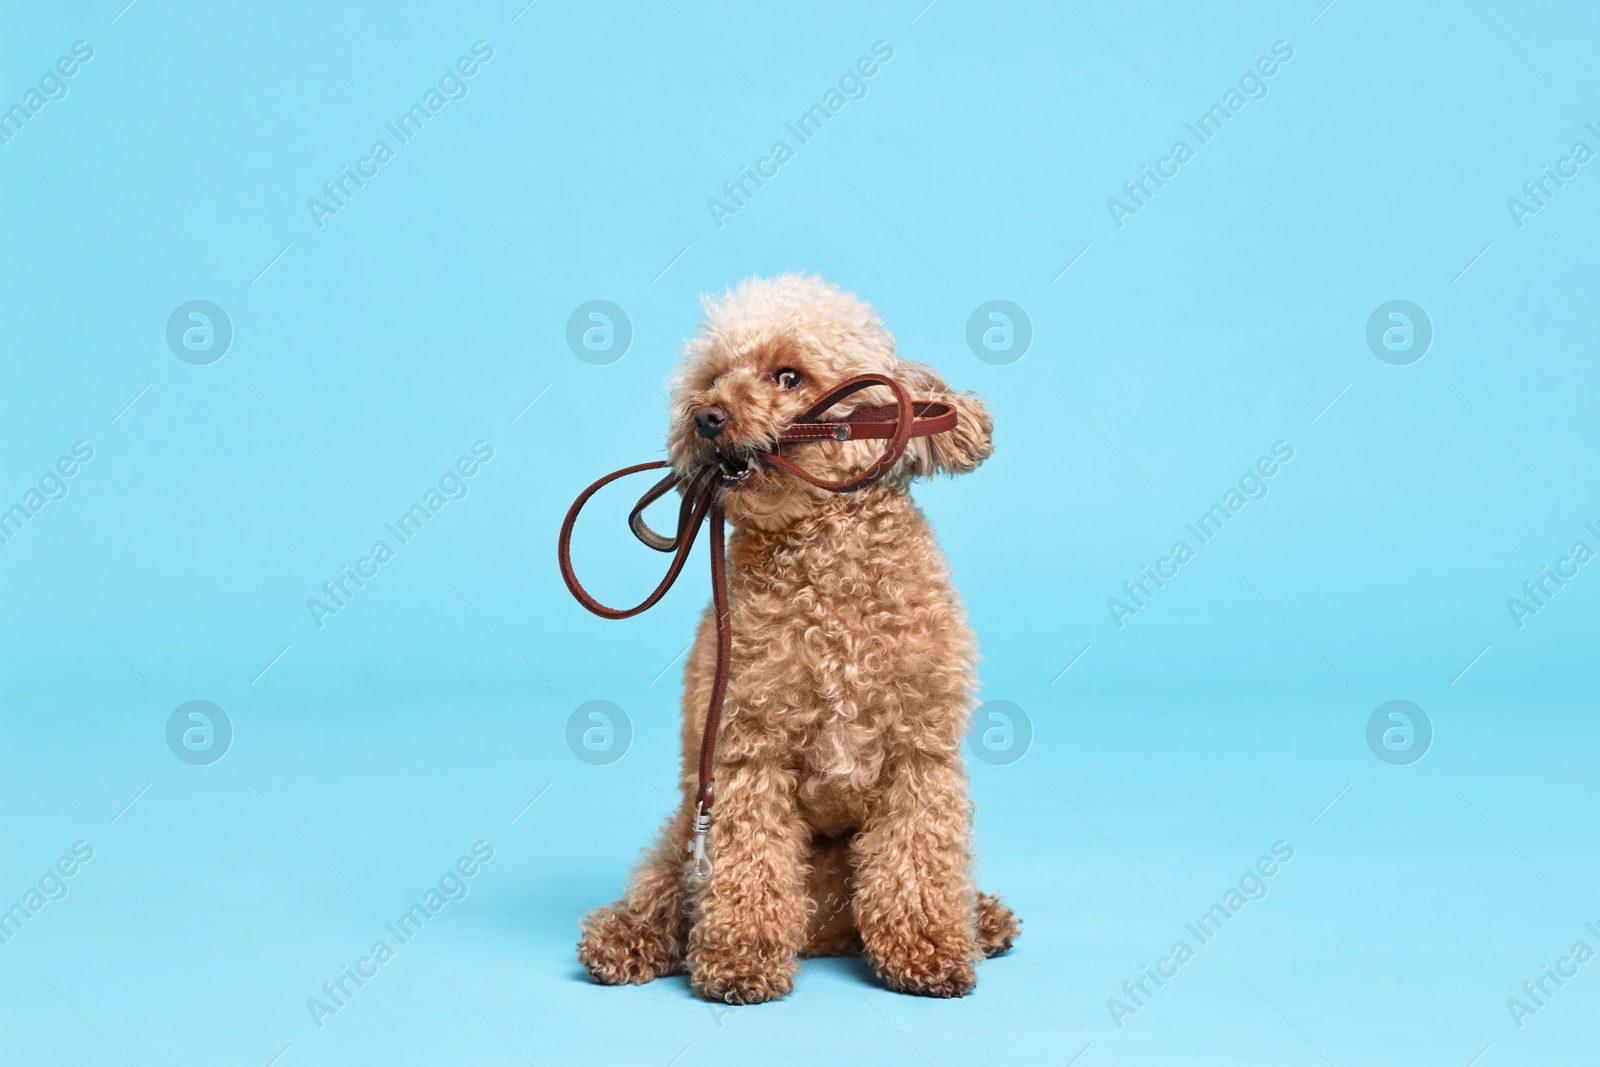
<point>697,844</point>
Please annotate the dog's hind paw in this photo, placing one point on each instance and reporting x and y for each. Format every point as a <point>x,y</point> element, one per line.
<point>997,926</point>
<point>618,948</point>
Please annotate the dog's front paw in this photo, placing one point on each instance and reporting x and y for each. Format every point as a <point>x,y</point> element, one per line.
<point>953,978</point>
<point>741,974</point>
<point>618,948</point>
<point>928,968</point>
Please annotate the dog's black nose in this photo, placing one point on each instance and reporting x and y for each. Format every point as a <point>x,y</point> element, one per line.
<point>710,421</point>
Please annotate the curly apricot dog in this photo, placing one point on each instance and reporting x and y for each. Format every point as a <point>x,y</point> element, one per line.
<point>842,818</point>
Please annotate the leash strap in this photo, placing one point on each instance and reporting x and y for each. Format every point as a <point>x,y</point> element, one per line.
<point>895,423</point>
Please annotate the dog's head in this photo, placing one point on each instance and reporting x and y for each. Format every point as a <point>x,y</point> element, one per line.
<point>769,350</point>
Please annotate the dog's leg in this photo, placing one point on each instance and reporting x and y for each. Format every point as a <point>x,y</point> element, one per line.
<point>751,915</point>
<point>641,936</point>
<point>914,901</point>
<point>644,935</point>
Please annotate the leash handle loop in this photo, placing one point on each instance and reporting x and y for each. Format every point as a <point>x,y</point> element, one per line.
<point>904,417</point>
<point>690,516</point>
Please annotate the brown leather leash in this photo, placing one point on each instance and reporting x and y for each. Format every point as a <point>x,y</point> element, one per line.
<point>895,423</point>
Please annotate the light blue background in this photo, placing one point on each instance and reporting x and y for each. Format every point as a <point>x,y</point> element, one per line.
<point>425,315</point>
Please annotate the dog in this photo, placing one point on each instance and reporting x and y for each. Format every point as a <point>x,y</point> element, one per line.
<point>843,824</point>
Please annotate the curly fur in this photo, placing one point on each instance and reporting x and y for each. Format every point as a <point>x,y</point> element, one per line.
<point>842,819</point>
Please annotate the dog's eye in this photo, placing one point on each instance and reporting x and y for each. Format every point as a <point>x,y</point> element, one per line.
<point>788,378</point>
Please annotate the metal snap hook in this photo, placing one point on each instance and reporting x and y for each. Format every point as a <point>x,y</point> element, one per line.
<point>697,844</point>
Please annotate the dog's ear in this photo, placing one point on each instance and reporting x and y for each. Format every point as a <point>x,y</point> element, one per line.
<point>956,451</point>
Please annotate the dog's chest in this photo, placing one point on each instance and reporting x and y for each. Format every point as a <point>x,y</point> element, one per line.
<point>821,643</point>
<point>828,614</point>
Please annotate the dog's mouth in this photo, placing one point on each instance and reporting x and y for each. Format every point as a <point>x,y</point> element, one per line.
<point>733,466</point>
